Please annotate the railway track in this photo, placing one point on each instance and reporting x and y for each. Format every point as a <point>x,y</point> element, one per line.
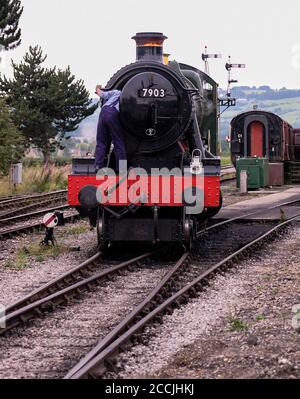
<point>22,209</point>
<point>228,173</point>
<point>29,208</point>
<point>226,167</point>
<point>186,277</point>
<point>184,280</point>
<point>76,281</point>
<point>163,299</point>
<point>15,203</point>
<point>21,217</point>
<point>9,197</point>
<point>36,225</point>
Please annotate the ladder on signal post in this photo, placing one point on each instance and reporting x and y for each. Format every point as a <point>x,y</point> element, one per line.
<point>229,101</point>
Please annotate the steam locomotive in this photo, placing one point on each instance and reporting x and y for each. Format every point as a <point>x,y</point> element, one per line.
<point>169,113</point>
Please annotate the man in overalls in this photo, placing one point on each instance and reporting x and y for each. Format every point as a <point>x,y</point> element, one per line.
<point>109,126</point>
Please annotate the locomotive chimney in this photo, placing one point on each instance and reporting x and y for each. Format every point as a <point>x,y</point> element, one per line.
<point>149,46</point>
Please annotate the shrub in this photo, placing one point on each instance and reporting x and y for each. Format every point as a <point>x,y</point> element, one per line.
<point>38,179</point>
<point>28,162</point>
<point>62,161</point>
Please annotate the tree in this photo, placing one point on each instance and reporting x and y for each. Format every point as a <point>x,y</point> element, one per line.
<point>11,140</point>
<point>48,103</point>
<point>10,33</point>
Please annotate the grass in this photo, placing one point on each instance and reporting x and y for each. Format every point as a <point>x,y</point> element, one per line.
<point>237,324</point>
<point>225,161</point>
<point>260,317</point>
<point>267,277</point>
<point>37,179</point>
<point>74,231</point>
<point>34,252</point>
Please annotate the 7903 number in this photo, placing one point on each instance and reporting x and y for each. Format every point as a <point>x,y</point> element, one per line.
<point>153,93</point>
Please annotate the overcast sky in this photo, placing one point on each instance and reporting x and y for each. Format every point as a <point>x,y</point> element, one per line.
<point>94,36</point>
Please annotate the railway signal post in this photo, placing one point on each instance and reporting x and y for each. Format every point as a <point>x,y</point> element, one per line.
<point>50,221</point>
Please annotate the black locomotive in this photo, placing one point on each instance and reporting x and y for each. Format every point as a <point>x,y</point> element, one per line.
<point>169,115</point>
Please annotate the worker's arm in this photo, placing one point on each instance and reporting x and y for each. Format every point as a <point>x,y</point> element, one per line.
<point>106,95</point>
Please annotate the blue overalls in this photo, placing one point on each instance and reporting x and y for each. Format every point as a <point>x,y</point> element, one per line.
<point>109,126</point>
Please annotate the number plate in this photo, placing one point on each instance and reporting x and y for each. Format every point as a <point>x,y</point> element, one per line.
<point>152,93</point>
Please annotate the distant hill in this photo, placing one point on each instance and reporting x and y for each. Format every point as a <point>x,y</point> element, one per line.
<point>88,127</point>
<point>263,93</point>
<point>284,102</point>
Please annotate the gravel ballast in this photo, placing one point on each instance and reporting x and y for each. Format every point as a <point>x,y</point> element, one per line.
<point>53,345</point>
<point>240,327</point>
<point>16,283</point>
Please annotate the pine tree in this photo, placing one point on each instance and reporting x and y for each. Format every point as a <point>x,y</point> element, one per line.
<point>10,33</point>
<point>48,103</point>
<point>11,140</point>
